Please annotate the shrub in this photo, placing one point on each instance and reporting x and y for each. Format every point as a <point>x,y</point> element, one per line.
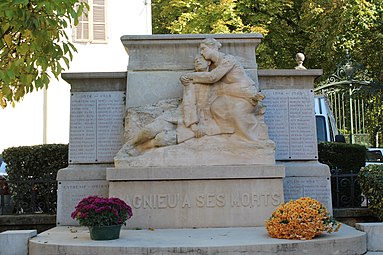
<point>32,172</point>
<point>302,219</point>
<point>347,157</point>
<point>371,182</point>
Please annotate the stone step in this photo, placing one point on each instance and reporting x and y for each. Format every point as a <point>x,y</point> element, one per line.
<point>229,241</point>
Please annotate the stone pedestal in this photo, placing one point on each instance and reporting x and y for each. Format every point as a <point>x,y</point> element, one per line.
<point>15,241</point>
<point>374,232</point>
<point>204,151</point>
<point>75,183</point>
<point>203,196</point>
<point>222,241</point>
<point>308,179</point>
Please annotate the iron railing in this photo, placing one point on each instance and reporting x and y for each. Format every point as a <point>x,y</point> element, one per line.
<point>345,189</point>
<point>28,196</point>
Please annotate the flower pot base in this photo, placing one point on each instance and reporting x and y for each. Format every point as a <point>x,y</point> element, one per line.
<point>100,233</point>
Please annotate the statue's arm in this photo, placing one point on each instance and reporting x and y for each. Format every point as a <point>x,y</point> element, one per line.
<point>213,76</point>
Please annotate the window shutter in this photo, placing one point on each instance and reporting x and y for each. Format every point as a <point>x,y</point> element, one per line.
<point>92,24</point>
<point>99,22</point>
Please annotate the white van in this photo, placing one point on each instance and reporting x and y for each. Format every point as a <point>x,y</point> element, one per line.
<point>325,121</point>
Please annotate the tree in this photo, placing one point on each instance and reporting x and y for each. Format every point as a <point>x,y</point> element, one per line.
<point>321,29</point>
<point>284,34</point>
<point>195,17</point>
<point>334,26</point>
<point>374,105</point>
<point>33,44</point>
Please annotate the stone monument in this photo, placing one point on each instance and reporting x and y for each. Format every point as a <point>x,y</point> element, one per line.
<point>205,160</point>
<point>192,144</point>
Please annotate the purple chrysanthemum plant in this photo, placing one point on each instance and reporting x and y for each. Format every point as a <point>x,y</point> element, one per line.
<point>99,211</point>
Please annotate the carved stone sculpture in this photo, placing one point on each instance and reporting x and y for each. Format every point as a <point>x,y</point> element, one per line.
<point>197,98</point>
<point>237,95</point>
<point>220,119</point>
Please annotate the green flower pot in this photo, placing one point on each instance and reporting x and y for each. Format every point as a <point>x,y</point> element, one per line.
<point>105,232</point>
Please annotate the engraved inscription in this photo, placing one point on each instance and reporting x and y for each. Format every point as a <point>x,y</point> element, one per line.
<point>69,193</point>
<point>79,191</point>
<point>291,121</point>
<point>208,200</point>
<point>96,126</point>
<point>314,187</point>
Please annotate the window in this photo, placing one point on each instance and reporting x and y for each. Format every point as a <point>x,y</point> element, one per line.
<point>92,24</point>
<point>321,129</point>
<point>374,156</point>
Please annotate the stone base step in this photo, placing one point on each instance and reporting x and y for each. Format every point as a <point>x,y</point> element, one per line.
<point>230,241</point>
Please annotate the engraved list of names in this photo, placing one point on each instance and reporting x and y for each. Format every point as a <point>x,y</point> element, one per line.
<point>96,126</point>
<point>291,121</point>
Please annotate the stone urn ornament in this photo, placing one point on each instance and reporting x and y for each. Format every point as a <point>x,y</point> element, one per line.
<point>300,57</point>
<point>103,216</point>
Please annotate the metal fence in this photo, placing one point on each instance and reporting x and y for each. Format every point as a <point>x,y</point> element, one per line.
<point>28,196</point>
<point>346,192</point>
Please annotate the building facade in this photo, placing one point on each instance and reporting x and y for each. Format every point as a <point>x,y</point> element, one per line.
<point>43,116</point>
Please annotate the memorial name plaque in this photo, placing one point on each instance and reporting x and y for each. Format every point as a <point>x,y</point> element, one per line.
<point>71,192</point>
<point>318,188</point>
<point>96,126</point>
<point>291,121</point>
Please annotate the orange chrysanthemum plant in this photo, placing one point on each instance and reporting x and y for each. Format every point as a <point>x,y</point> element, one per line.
<point>302,219</point>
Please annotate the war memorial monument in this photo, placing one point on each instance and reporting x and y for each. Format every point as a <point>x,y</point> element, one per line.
<point>194,137</point>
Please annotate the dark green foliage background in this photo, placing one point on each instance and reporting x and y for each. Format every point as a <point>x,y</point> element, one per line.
<point>26,164</point>
<point>371,182</point>
<point>348,157</point>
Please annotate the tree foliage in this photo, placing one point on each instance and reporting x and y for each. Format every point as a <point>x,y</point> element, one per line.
<point>334,26</point>
<point>33,44</point>
<point>184,17</point>
<point>371,182</point>
<point>374,120</point>
<point>321,29</point>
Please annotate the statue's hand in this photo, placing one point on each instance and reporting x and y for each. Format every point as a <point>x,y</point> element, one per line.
<point>256,98</point>
<point>185,79</point>
<point>198,132</point>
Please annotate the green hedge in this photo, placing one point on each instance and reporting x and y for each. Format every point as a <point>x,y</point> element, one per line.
<point>32,172</point>
<point>348,157</point>
<point>345,158</point>
<point>371,182</point>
